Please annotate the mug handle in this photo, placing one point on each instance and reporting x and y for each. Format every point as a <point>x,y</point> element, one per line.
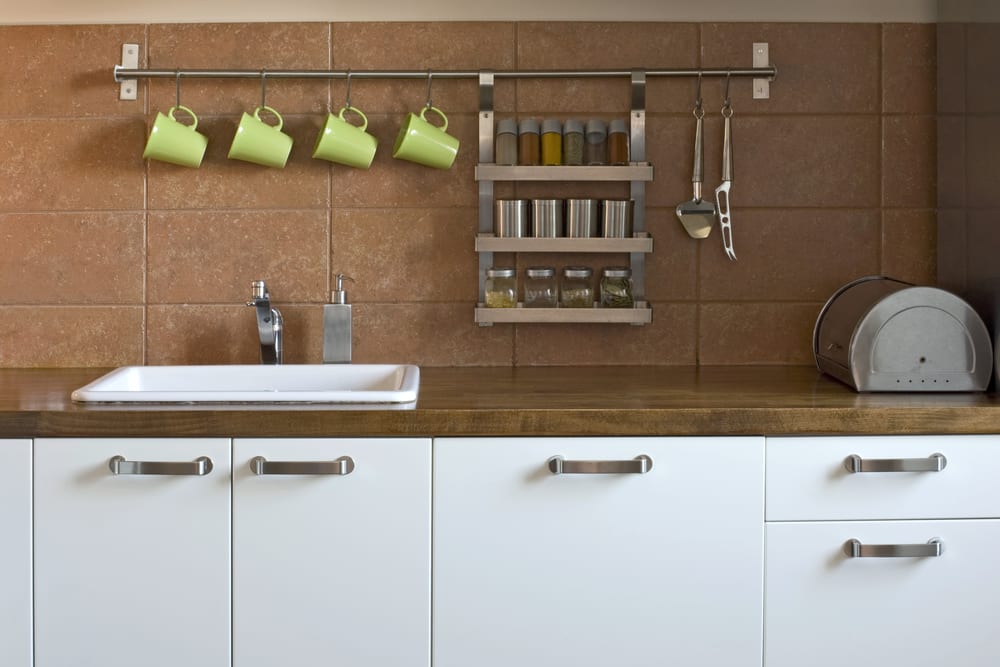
<point>444,127</point>
<point>281,121</point>
<point>364,118</point>
<point>194,125</point>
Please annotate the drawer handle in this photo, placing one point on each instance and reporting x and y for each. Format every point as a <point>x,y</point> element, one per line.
<point>119,465</point>
<point>639,465</point>
<point>933,463</point>
<point>342,466</point>
<point>855,549</point>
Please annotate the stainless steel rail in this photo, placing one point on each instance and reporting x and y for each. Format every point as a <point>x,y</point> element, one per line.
<point>122,73</point>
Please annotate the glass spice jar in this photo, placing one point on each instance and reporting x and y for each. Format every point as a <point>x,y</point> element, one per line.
<point>577,290</point>
<point>501,287</point>
<point>551,142</point>
<point>618,142</point>
<point>528,144</point>
<point>573,142</point>
<point>506,144</point>
<point>540,288</point>
<point>595,150</point>
<point>616,287</point>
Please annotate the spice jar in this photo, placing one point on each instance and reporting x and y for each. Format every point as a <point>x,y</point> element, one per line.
<point>595,150</point>
<point>616,287</point>
<point>573,142</point>
<point>501,287</point>
<point>577,290</point>
<point>618,142</point>
<point>506,144</point>
<point>540,289</point>
<point>528,145</point>
<point>551,142</point>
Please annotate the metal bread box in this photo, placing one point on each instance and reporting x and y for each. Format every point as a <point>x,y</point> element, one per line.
<point>880,334</point>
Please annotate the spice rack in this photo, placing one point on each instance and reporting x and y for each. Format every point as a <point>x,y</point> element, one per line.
<point>637,173</point>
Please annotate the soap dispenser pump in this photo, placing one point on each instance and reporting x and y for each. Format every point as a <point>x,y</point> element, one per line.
<point>337,325</point>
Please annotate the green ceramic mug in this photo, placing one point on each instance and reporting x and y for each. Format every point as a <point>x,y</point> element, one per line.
<point>344,143</point>
<point>172,141</point>
<point>424,143</point>
<point>260,143</point>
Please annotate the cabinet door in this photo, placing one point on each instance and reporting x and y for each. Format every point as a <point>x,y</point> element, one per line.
<point>824,609</point>
<point>537,569</point>
<point>15,553</point>
<point>132,569</point>
<point>332,568</point>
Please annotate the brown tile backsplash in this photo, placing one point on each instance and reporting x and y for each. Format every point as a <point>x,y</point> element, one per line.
<point>109,260</point>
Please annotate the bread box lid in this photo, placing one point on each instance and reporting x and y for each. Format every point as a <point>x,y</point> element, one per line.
<point>881,334</point>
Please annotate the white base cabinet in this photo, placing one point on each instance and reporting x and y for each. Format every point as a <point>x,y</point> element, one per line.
<point>15,553</point>
<point>537,569</point>
<point>887,559</point>
<point>132,569</point>
<point>331,552</point>
<point>827,610</point>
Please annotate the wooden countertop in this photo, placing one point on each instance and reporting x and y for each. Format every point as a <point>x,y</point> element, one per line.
<point>616,400</point>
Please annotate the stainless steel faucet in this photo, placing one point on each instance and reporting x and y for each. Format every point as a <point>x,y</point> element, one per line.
<point>270,325</point>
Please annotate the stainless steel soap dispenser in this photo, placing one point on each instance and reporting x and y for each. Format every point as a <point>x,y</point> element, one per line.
<point>337,325</point>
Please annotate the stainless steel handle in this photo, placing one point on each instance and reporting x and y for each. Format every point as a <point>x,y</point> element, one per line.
<point>342,466</point>
<point>933,463</point>
<point>639,465</point>
<point>119,465</point>
<point>855,549</point>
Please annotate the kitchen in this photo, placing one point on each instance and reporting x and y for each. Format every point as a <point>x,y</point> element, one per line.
<point>109,260</point>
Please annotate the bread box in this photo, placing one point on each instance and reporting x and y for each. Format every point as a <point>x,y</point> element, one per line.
<point>881,334</point>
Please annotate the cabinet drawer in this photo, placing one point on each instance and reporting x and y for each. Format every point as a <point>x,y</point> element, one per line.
<point>807,478</point>
<point>824,609</point>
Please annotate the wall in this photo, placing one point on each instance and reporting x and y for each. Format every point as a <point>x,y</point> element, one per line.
<point>107,260</point>
<point>195,11</point>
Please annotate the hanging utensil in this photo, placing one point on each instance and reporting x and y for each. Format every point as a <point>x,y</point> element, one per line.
<point>722,192</point>
<point>698,214</point>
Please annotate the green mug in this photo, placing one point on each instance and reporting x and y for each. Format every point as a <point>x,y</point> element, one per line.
<point>344,143</point>
<point>172,141</point>
<point>421,142</point>
<point>260,143</point>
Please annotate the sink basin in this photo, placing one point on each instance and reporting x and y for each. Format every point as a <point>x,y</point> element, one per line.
<point>326,383</point>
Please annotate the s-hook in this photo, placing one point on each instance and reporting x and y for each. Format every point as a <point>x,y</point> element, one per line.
<point>430,77</point>
<point>178,103</point>
<point>347,102</point>
<point>722,192</point>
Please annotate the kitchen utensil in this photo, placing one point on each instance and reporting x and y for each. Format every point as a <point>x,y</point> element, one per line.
<point>722,192</point>
<point>698,214</point>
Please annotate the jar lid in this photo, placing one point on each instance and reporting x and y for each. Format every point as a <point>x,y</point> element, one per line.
<point>578,272</point>
<point>500,272</point>
<point>619,126</point>
<point>528,125</point>
<point>540,272</point>
<point>507,126</point>
<point>552,125</point>
<point>617,272</point>
<point>596,126</point>
<point>573,125</point>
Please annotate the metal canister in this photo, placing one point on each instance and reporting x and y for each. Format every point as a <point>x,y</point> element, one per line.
<point>582,217</point>
<point>616,218</point>
<point>511,218</point>
<point>547,218</point>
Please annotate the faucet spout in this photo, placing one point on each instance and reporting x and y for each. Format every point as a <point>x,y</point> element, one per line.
<point>270,324</point>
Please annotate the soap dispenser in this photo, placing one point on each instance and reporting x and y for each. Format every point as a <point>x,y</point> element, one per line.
<point>337,325</point>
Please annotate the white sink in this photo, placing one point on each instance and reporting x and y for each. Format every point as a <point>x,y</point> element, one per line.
<point>326,383</point>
